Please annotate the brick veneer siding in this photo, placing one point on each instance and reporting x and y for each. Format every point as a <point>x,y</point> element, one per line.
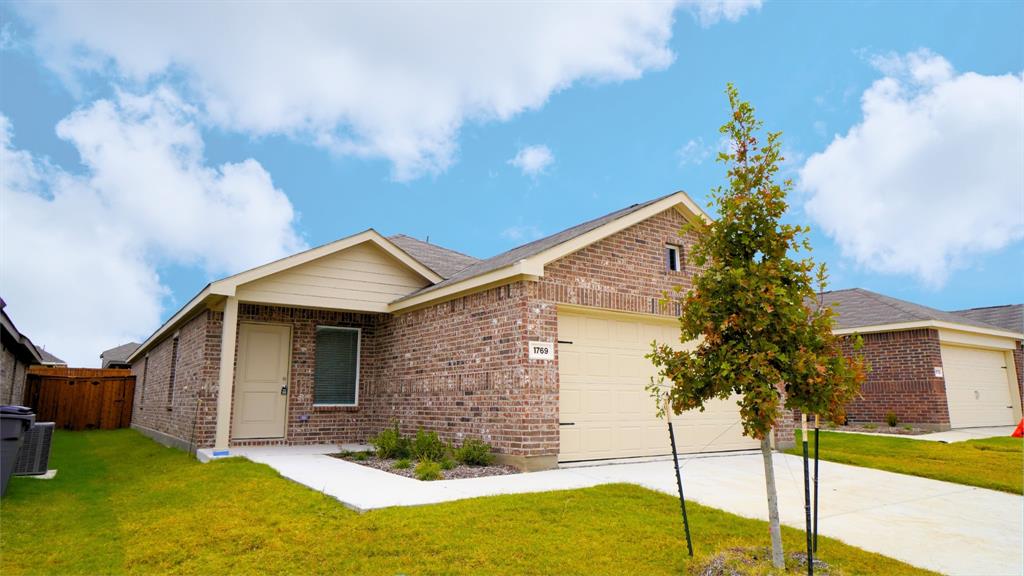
<point>626,271</point>
<point>12,378</point>
<point>461,368</point>
<point>902,379</point>
<point>170,408</point>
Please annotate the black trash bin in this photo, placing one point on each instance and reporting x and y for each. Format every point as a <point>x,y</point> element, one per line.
<point>14,423</point>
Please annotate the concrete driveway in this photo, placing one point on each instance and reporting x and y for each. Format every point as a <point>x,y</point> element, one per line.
<point>946,527</point>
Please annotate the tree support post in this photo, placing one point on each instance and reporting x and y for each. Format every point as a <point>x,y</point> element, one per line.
<point>679,478</point>
<point>817,428</point>
<point>807,499</point>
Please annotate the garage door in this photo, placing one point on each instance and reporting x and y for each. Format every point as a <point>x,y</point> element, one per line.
<point>977,387</point>
<point>605,412</point>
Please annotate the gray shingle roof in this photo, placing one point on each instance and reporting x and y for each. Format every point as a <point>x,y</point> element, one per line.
<point>860,308</point>
<point>1008,317</point>
<point>446,263</point>
<point>50,358</point>
<point>118,353</point>
<point>536,247</point>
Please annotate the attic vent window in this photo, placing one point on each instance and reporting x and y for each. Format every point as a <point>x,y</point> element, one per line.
<point>673,259</point>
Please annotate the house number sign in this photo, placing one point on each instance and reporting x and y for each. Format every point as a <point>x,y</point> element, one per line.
<point>542,350</point>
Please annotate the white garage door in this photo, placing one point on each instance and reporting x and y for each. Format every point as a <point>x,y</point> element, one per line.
<point>977,387</point>
<point>605,412</point>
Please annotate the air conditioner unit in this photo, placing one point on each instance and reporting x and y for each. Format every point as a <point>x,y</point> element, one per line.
<point>34,456</point>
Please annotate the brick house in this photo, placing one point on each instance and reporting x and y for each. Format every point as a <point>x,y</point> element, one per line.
<point>17,353</point>
<point>538,350</point>
<point>933,368</point>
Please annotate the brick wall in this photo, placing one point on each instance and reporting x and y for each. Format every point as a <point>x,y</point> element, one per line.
<point>169,406</point>
<point>626,271</point>
<point>902,379</point>
<point>460,368</point>
<point>12,378</point>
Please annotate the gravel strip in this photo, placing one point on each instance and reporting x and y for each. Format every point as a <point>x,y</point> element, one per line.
<point>460,470</point>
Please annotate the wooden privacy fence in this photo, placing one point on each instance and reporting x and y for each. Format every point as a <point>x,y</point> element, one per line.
<point>81,398</point>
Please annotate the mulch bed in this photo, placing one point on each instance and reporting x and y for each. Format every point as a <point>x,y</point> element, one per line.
<point>460,470</point>
<point>743,561</point>
<point>899,429</point>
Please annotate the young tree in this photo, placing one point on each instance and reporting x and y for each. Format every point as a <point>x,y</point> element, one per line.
<point>755,308</point>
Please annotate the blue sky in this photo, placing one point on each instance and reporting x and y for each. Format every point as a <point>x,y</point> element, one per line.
<point>923,199</point>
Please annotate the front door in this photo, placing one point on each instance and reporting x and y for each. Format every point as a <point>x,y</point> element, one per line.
<point>261,381</point>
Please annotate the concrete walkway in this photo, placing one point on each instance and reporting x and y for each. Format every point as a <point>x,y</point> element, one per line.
<point>962,434</point>
<point>946,527</point>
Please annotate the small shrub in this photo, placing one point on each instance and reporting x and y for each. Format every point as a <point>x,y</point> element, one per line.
<point>870,426</point>
<point>427,446</point>
<point>475,452</point>
<point>908,428</point>
<point>447,464</point>
<point>428,470</point>
<point>402,464</point>
<point>360,456</point>
<point>391,444</point>
<point>891,419</point>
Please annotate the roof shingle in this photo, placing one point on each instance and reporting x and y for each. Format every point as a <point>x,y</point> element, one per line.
<point>446,263</point>
<point>860,308</point>
<point>1008,317</point>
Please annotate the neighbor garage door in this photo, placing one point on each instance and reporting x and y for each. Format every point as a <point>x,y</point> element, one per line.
<point>605,412</point>
<point>977,387</point>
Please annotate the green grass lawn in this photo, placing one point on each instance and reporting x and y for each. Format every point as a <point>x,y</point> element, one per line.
<point>123,504</point>
<point>996,463</point>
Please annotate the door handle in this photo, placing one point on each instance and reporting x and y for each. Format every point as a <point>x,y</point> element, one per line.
<point>284,390</point>
<point>566,423</point>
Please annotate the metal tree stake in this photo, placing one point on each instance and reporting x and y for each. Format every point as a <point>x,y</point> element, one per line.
<point>679,479</point>
<point>816,430</point>
<point>807,499</point>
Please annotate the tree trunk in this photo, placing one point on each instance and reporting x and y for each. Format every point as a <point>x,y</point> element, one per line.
<point>778,560</point>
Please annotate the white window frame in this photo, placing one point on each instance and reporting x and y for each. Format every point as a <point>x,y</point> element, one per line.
<point>677,257</point>
<point>359,359</point>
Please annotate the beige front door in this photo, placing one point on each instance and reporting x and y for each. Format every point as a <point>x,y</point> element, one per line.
<point>261,381</point>
<point>977,387</point>
<point>604,409</point>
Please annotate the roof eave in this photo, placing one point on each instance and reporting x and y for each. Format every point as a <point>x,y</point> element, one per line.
<point>937,324</point>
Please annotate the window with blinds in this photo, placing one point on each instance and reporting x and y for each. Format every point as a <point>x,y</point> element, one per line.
<point>337,366</point>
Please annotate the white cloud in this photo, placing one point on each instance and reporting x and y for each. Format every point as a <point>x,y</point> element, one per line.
<point>693,152</point>
<point>81,253</point>
<point>391,80</point>
<point>522,232</point>
<point>710,12</point>
<point>931,176</point>
<point>533,160</point>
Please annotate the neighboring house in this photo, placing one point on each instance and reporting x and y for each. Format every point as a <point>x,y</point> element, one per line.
<point>50,359</point>
<point>932,368</point>
<point>1009,317</point>
<point>538,350</point>
<point>18,353</point>
<point>117,357</point>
